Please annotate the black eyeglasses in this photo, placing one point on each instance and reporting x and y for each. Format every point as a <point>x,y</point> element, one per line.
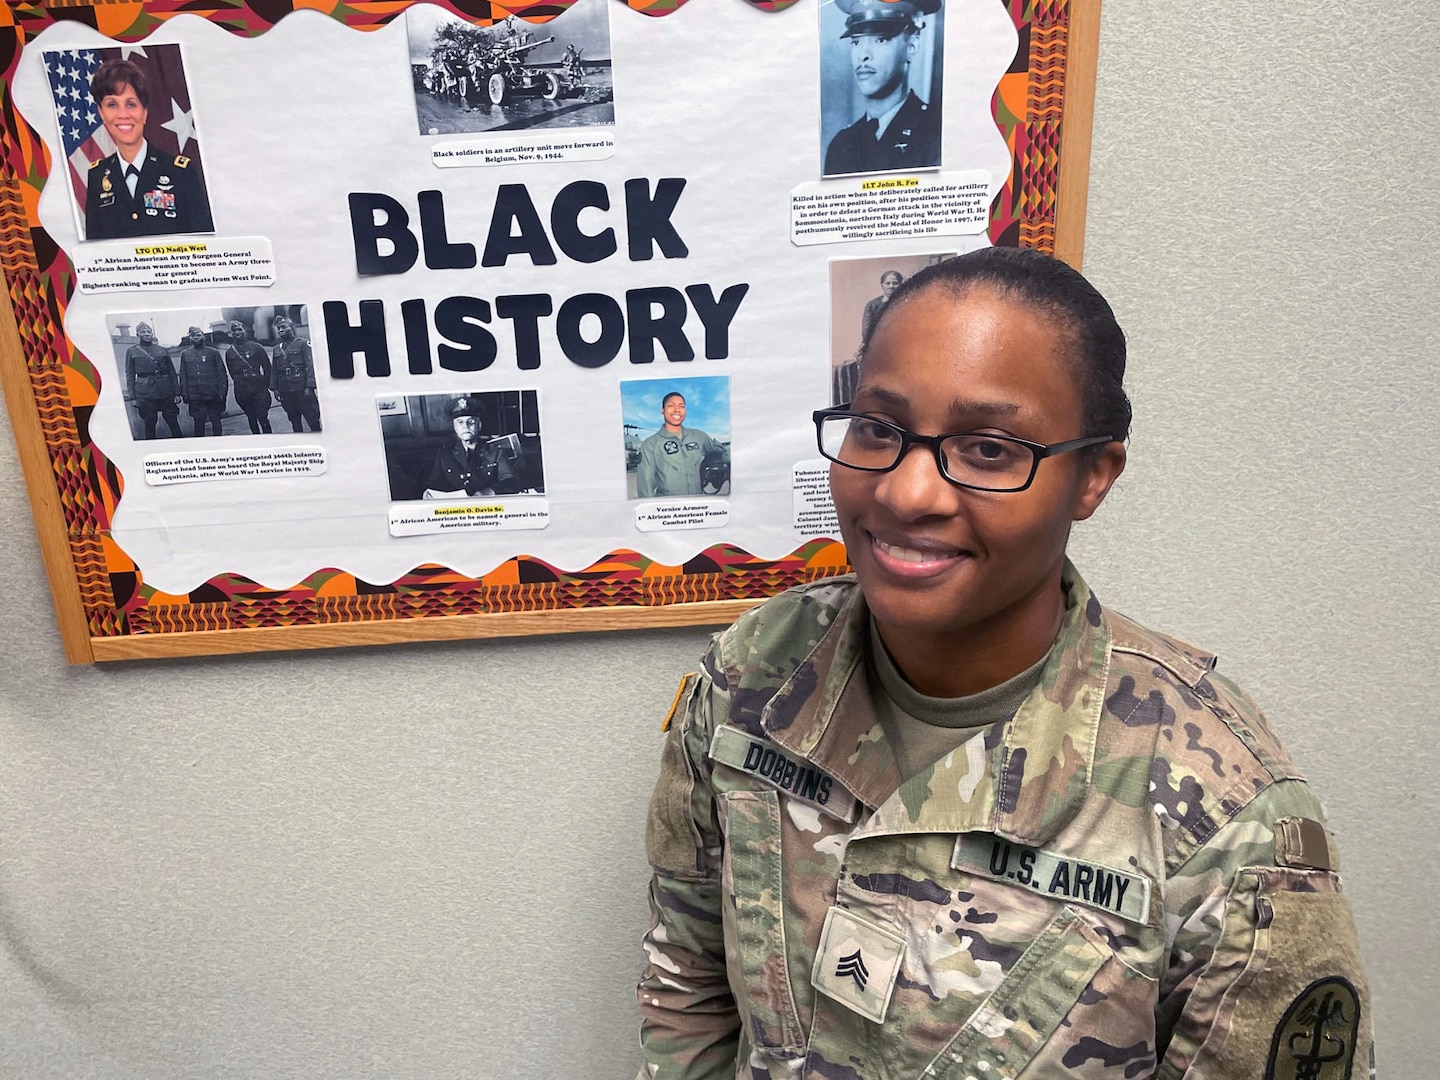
<point>970,459</point>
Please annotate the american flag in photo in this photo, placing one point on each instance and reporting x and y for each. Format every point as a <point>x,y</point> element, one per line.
<point>82,136</point>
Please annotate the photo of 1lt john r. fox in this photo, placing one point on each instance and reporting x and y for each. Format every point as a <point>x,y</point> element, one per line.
<point>897,129</point>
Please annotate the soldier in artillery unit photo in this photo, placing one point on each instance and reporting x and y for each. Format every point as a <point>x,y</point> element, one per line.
<point>512,75</point>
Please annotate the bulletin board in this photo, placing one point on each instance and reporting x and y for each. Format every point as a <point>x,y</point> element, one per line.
<point>428,281</point>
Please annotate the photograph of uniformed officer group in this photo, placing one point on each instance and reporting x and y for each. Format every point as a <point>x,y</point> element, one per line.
<point>216,371</point>
<point>458,446</point>
<point>513,75</point>
<point>677,436</point>
<point>859,290</point>
<point>128,131</point>
<point>881,81</point>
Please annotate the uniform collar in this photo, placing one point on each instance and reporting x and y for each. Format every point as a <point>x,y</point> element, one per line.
<point>139,161</point>
<point>883,121</point>
<point>1022,780</point>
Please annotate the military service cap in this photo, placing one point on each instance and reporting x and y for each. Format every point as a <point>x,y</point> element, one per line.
<point>883,17</point>
<point>464,406</point>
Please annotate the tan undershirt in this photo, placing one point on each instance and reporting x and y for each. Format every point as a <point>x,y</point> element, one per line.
<point>922,729</point>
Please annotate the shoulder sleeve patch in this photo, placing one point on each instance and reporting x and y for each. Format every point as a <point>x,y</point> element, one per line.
<point>1284,995</point>
<point>1317,1035</point>
<point>685,681</point>
<point>1304,842</point>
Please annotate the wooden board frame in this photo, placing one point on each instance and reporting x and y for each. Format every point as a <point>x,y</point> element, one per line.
<point>105,610</point>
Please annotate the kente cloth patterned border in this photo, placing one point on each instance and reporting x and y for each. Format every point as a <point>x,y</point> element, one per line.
<point>1026,107</point>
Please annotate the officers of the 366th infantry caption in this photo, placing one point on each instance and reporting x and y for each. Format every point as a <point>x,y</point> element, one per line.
<point>150,382</point>
<point>203,382</point>
<point>293,377</point>
<point>137,191</point>
<point>897,130</point>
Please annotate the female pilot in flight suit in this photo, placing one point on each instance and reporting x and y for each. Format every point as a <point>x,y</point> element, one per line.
<point>950,817</point>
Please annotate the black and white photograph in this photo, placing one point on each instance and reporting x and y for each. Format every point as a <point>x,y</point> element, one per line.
<point>202,372</point>
<point>128,131</point>
<point>859,291</point>
<point>458,446</point>
<point>513,75</point>
<point>677,436</point>
<point>881,84</point>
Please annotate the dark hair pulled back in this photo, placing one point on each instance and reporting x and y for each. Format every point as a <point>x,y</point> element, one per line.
<point>1062,293</point>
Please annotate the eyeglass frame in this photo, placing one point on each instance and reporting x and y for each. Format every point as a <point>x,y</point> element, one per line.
<point>1038,451</point>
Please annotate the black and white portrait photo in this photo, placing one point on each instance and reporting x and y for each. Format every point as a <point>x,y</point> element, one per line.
<point>458,446</point>
<point>859,291</point>
<point>880,85</point>
<point>216,371</point>
<point>513,75</point>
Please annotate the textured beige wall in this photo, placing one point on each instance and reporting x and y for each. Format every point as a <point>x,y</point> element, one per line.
<point>427,861</point>
<point>1265,218</point>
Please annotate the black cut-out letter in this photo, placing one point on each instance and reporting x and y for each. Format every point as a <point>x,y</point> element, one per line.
<point>716,315</point>
<point>647,219</point>
<point>525,310</point>
<point>513,207</point>
<point>367,234</point>
<point>440,253</point>
<point>417,337</point>
<point>345,340</point>
<point>667,327</point>
<point>565,221</point>
<point>597,353</point>
<point>458,318</point>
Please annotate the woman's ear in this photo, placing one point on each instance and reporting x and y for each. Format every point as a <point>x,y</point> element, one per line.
<point>1098,474</point>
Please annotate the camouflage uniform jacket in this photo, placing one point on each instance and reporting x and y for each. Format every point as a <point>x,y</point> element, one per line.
<point>1127,878</point>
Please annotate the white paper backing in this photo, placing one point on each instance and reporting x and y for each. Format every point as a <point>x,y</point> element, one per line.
<point>719,92</point>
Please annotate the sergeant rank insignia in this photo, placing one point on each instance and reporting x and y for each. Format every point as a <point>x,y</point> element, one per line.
<point>857,964</point>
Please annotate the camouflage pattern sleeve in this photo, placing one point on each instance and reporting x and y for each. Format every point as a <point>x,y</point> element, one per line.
<point>1264,976</point>
<point>689,1022</point>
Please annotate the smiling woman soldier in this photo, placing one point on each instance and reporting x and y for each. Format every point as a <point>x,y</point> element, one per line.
<point>950,817</point>
<point>137,191</point>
